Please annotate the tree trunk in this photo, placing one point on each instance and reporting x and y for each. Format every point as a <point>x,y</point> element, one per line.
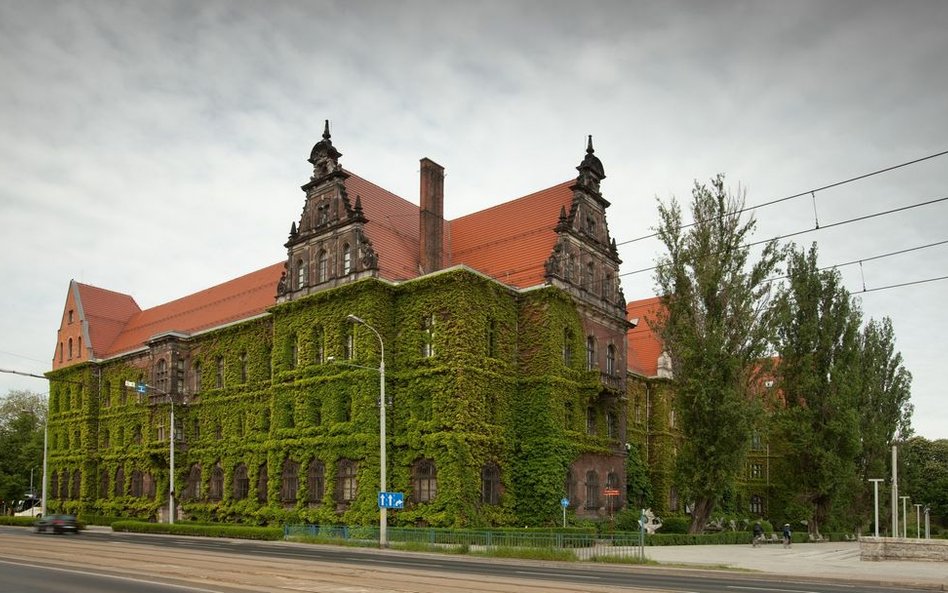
<point>700,515</point>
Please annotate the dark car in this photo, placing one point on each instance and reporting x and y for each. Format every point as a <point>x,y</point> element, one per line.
<point>56,524</point>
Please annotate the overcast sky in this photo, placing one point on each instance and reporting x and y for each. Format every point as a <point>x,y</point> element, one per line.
<point>157,148</point>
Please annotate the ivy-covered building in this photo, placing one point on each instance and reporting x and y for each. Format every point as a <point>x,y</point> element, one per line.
<point>504,338</point>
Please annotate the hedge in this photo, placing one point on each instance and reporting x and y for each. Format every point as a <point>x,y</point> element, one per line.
<point>201,530</point>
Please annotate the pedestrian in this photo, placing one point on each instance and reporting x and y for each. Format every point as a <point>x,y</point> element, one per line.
<point>787,535</point>
<point>758,534</point>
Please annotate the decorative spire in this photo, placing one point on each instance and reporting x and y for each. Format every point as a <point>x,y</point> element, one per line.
<point>327,136</point>
<point>589,143</point>
<point>591,171</point>
<point>324,156</point>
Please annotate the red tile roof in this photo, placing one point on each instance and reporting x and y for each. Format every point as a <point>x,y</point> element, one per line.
<point>219,305</point>
<point>511,241</point>
<point>644,345</point>
<point>392,228</point>
<point>106,313</point>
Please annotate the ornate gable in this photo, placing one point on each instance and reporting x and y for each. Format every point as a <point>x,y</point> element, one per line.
<point>585,260</point>
<point>328,247</point>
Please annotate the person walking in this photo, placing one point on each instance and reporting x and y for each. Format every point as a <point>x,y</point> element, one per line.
<point>758,534</point>
<point>787,535</point>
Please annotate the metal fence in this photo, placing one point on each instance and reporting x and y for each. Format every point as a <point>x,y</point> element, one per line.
<point>584,546</point>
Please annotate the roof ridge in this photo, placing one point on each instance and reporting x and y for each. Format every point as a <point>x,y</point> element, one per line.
<point>513,202</point>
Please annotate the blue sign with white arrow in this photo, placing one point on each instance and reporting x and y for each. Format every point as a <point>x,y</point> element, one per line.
<point>391,500</point>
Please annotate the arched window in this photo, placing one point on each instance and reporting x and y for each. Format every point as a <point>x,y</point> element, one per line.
<point>490,484</point>
<point>60,352</point>
<point>346,259</point>
<point>192,489</point>
<point>612,424</point>
<point>428,336</point>
<point>300,273</point>
<point>70,348</point>
<point>219,379</point>
<point>64,485</point>
<point>197,376</point>
<point>592,490</point>
<point>319,342</point>
<point>241,482</point>
<point>215,488</point>
<point>104,484</point>
<point>590,353</point>
<point>290,481</point>
<point>161,375</point>
<point>79,347</point>
<point>611,360</point>
<point>315,481</point>
<point>346,486</point>
<point>135,487</point>
<point>567,346</point>
<point>262,483</point>
<point>148,485</point>
<point>323,266</point>
<point>119,489</point>
<point>572,488</point>
<point>243,367</point>
<point>589,282</point>
<point>425,481</point>
<point>76,484</point>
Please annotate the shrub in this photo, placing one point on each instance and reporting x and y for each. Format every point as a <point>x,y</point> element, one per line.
<point>204,530</point>
<point>675,524</point>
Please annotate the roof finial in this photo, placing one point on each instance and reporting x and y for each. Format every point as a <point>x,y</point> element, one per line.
<point>589,145</point>
<point>326,131</point>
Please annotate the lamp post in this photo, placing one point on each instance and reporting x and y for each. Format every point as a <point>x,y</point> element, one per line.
<point>904,517</point>
<point>142,388</point>
<point>383,512</point>
<point>918,521</point>
<point>875,489</point>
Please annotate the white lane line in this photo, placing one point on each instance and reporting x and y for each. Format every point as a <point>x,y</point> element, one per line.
<point>111,576</point>
<point>771,589</point>
<point>546,574</point>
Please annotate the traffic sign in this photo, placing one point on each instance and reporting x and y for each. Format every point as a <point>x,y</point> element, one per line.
<point>564,502</point>
<point>391,500</point>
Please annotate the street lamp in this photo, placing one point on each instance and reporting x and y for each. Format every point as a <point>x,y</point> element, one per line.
<point>142,387</point>
<point>875,488</point>
<point>904,517</point>
<point>918,523</point>
<point>383,511</point>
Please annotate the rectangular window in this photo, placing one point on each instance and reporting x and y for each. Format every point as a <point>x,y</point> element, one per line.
<point>219,379</point>
<point>428,336</point>
<point>591,420</point>
<point>757,471</point>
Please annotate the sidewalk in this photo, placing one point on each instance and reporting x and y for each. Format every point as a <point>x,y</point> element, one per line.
<point>831,560</point>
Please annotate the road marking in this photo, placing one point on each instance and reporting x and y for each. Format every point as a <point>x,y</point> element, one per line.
<point>770,589</point>
<point>546,574</point>
<point>111,576</point>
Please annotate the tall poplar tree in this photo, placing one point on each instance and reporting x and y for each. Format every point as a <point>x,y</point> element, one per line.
<point>819,348</point>
<point>714,327</point>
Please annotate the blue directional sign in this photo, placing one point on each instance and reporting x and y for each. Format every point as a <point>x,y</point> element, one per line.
<point>391,500</point>
<point>141,388</point>
<point>564,502</point>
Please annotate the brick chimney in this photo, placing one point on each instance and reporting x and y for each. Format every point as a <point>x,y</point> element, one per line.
<point>431,216</point>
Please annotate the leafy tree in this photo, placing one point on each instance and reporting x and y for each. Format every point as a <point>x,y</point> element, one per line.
<point>22,417</point>
<point>713,326</point>
<point>818,345</point>
<point>885,412</point>
<point>924,475</point>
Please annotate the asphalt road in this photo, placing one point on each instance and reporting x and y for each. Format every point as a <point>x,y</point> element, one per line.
<point>106,561</point>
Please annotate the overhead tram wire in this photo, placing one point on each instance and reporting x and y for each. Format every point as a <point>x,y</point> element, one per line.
<point>806,193</point>
<point>821,228</point>
<point>902,284</point>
